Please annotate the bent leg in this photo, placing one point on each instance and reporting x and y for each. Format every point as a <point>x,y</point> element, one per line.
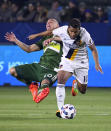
<point>44,92</point>
<point>26,73</point>
<point>82,79</point>
<point>81,87</point>
<point>15,74</point>
<point>13,71</point>
<point>47,78</point>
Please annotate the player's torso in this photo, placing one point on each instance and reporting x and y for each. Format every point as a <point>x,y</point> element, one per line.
<point>74,50</point>
<point>52,55</point>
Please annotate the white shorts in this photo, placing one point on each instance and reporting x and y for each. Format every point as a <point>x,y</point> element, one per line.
<point>79,68</point>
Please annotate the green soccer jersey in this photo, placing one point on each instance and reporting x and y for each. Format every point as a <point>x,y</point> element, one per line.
<point>52,53</point>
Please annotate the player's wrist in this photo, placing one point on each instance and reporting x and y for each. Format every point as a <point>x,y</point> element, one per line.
<point>16,40</point>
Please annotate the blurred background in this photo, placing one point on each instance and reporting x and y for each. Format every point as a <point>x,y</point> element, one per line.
<point>25,17</point>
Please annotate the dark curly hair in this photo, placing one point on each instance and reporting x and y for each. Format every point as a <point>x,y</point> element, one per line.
<point>75,23</point>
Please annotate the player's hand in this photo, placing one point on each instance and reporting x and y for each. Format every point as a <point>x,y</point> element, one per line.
<point>33,36</point>
<point>99,68</point>
<point>46,42</point>
<point>10,37</point>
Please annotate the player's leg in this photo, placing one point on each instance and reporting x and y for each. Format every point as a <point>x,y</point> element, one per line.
<point>27,73</point>
<point>48,77</point>
<point>14,71</point>
<point>82,87</point>
<point>78,86</point>
<point>64,73</point>
<point>81,75</point>
<point>81,81</point>
<point>44,91</point>
<point>60,89</point>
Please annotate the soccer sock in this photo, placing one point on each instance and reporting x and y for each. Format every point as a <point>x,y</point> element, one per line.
<point>60,95</point>
<point>43,86</point>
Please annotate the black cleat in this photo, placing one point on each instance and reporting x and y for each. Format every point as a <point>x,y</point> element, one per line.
<point>58,114</point>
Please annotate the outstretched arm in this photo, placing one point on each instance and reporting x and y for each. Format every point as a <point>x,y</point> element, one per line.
<point>95,56</point>
<point>28,48</point>
<point>56,38</point>
<point>45,33</point>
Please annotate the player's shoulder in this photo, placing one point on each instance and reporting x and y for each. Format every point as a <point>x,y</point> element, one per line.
<point>63,27</point>
<point>84,32</point>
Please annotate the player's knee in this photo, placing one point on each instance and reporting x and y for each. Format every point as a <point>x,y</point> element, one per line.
<point>45,83</point>
<point>61,79</point>
<point>13,72</point>
<point>82,88</point>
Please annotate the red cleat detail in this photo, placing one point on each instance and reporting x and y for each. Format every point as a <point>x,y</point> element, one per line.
<point>42,95</point>
<point>74,91</point>
<point>33,88</point>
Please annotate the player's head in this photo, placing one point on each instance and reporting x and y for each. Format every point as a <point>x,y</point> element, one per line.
<point>52,24</point>
<point>74,28</point>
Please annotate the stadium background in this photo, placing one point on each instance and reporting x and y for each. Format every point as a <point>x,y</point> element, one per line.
<point>11,55</point>
<point>18,112</point>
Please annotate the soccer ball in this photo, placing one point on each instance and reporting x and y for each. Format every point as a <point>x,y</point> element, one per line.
<point>68,111</point>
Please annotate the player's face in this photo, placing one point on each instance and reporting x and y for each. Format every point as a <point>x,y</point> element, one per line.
<point>73,32</point>
<point>51,24</point>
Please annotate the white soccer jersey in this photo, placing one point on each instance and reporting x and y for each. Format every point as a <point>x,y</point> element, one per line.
<point>71,50</point>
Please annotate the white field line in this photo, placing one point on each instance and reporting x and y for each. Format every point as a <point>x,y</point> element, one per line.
<point>41,114</point>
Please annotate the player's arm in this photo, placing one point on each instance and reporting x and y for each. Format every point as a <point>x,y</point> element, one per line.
<point>95,56</point>
<point>45,33</point>
<point>28,48</point>
<point>55,38</point>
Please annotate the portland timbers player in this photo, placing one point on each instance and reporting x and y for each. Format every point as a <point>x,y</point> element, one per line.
<point>44,71</point>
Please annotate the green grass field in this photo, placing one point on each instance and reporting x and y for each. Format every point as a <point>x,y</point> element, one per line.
<point>19,113</point>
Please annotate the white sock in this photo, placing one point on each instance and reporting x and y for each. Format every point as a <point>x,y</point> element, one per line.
<point>60,95</point>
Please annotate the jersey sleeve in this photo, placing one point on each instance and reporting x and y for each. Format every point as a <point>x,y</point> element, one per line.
<point>59,31</point>
<point>88,39</point>
<point>40,43</point>
<point>56,32</point>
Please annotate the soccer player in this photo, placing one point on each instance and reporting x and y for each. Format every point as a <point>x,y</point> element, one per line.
<point>74,59</point>
<point>42,72</point>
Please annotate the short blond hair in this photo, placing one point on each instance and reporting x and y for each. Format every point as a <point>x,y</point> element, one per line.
<point>54,20</point>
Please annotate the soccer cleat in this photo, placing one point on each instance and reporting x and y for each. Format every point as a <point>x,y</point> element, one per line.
<point>58,114</point>
<point>74,91</point>
<point>33,88</point>
<point>44,93</point>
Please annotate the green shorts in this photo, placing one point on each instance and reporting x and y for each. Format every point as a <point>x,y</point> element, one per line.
<point>35,72</point>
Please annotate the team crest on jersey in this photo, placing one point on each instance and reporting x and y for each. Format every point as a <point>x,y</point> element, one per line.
<point>91,41</point>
